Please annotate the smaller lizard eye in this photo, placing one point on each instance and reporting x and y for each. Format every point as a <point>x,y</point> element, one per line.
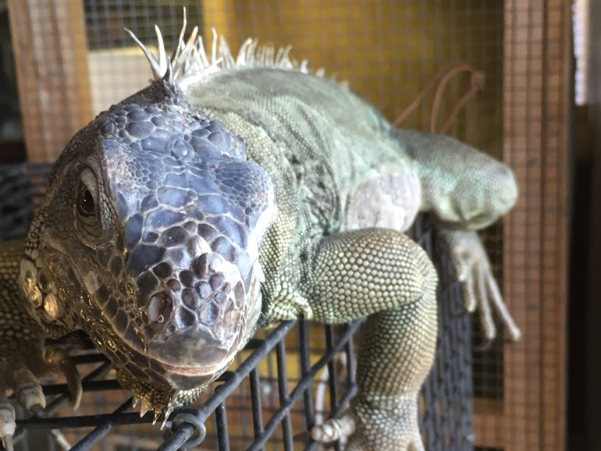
<point>85,203</point>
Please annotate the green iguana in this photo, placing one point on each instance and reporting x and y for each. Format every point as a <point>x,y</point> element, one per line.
<point>233,193</point>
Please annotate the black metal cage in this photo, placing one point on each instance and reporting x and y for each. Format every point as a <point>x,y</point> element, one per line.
<point>257,404</point>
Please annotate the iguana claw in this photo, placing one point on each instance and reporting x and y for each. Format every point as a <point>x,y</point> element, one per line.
<point>7,422</point>
<point>334,429</point>
<point>58,360</point>
<point>480,289</point>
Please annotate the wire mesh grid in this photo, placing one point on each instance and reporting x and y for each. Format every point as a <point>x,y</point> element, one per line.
<point>536,122</point>
<point>285,381</point>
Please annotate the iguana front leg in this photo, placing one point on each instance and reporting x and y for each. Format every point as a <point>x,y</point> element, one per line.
<point>23,354</point>
<point>382,274</point>
<point>465,190</point>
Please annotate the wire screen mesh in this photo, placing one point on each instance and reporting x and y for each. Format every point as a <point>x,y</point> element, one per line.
<point>74,59</point>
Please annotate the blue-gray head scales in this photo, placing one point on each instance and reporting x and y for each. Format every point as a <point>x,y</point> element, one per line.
<point>149,240</point>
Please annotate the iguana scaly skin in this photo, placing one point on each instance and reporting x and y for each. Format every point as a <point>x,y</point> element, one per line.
<point>232,194</point>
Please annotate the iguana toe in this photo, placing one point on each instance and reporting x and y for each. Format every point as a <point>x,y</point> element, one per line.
<point>334,429</point>
<point>58,360</point>
<point>480,290</point>
<point>7,422</point>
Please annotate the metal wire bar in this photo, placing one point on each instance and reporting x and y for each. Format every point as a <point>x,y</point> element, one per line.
<point>302,385</point>
<point>332,375</point>
<point>177,440</point>
<point>97,434</point>
<point>255,394</point>
<point>87,386</point>
<point>222,433</point>
<point>89,358</point>
<point>305,364</point>
<point>283,393</point>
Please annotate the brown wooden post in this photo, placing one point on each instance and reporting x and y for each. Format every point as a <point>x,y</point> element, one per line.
<point>49,40</point>
<point>536,124</point>
<point>536,100</point>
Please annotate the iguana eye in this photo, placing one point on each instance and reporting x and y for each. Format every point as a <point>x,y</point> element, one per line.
<point>85,203</point>
<point>88,222</point>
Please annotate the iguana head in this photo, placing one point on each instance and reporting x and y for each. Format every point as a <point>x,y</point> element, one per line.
<point>149,242</point>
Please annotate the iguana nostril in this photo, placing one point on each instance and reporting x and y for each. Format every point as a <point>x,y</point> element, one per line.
<point>160,308</point>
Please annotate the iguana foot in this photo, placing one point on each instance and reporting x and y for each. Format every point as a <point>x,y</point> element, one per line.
<point>29,393</point>
<point>480,289</point>
<point>31,396</point>
<point>371,429</point>
<point>58,361</point>
<point>334,429</point>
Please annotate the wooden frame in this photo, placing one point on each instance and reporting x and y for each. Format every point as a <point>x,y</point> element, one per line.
<point>536,126</point>
<point>50,54</point>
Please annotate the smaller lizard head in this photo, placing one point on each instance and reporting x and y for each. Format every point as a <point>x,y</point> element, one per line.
<point>149,242</point>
